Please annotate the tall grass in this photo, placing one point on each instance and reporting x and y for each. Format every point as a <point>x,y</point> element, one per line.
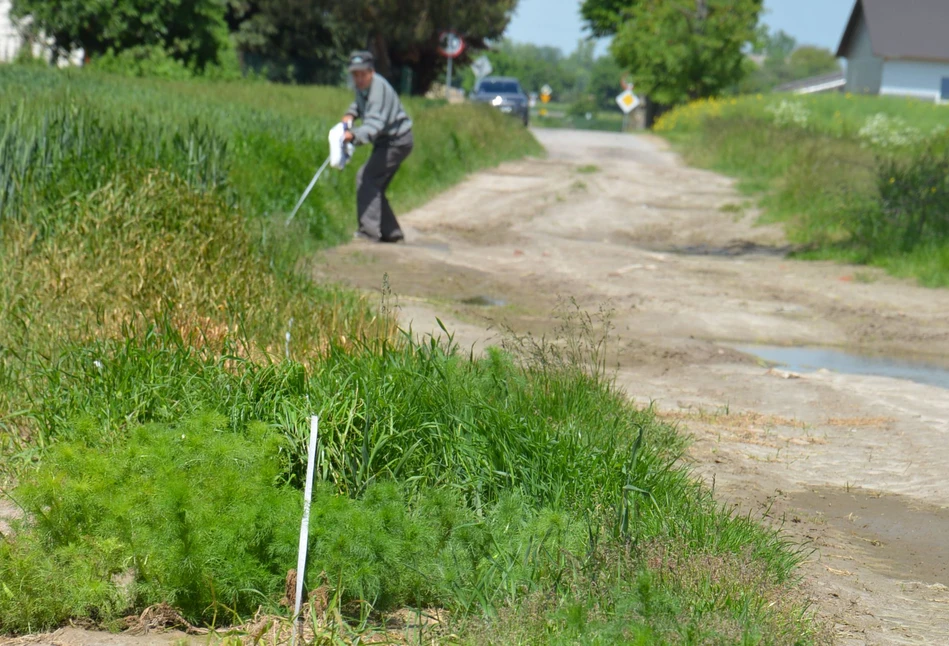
<point>160,353</point>
<point>474,484</point>
<point>261,143</point>
<point>122,201</point>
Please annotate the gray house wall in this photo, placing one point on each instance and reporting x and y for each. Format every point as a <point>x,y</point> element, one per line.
<point>864,69</point>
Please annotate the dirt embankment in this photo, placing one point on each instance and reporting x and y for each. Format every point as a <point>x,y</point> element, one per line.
<point>854,466</point>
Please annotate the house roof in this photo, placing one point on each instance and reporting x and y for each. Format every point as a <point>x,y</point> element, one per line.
<point>823,83</point>
<point>914,29</point>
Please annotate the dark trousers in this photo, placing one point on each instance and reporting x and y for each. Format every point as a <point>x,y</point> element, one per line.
<point>376,218</point>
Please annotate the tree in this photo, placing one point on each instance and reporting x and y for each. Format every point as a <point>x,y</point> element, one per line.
<point>191,31</point>
<point>783,61</point>
<point>533,65</point>
<point>810,61</point>
<point>403,34</point>
<point>302,41</point>
<point>605,16</point>
<point>605,77</point>
<point>680,50</point>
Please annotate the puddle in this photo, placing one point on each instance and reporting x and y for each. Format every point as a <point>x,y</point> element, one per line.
<point>484,301</point>
<point>810,359</point>
<point>732,250</point>
<point>899,538</point>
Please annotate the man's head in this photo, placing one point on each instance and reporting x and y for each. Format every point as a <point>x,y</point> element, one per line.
<point>361,68</point>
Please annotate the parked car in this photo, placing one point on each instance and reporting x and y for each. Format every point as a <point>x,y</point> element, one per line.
<point>505,94</point>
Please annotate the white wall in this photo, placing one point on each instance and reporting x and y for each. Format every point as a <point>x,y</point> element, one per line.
<point>918,79</point>
<point>9,37</point>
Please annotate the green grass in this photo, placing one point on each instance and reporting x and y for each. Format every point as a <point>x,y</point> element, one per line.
<point>260,142</point>
<point>125,200</point>
<point>161,351</point>
<point>479,486</point>
<point>858,179</point>
<point>601,121</point>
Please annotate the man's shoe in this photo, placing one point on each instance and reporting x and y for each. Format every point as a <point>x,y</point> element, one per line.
<point>359,236</point>
<point>397,237</point>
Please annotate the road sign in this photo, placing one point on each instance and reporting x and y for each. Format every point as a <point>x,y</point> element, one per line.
<point>450,44</point>
<point>627,101</point>
<point>545,93</point>
<point>482,67</point>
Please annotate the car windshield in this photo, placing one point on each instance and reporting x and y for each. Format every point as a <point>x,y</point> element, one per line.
<point>499,87</point>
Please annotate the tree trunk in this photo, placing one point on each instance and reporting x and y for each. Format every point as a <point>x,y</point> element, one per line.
<point>380,51</point>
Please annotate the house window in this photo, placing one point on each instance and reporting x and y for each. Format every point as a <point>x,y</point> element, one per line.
<point>945,88</point>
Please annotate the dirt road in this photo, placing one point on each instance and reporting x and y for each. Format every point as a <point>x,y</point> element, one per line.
<point>854,466</point>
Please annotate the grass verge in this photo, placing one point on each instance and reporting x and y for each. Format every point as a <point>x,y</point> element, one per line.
<point>534,497</point>
<point>159,356</point>
<point>857,179</point>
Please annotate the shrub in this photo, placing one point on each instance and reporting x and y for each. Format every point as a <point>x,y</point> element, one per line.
<point>190,514</point>
<point>143,60</point>
<point>910,207</point>
<point>886,131</point>
<point>585,104</point>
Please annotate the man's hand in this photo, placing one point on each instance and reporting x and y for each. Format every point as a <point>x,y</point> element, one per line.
<point>348,136</point>
<point>348,120</point>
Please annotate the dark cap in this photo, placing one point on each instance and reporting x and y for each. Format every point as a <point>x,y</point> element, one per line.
<point>360,60</point>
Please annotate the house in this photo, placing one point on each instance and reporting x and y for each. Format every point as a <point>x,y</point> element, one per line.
<point>10,40</point>
<point>898,48</point>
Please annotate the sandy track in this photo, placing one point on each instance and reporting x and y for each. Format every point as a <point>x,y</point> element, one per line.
<point>854,466</point>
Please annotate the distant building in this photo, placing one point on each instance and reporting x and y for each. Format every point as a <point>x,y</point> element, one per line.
<point>10,40</point>
<point>834,82</point>
<point>898,48</point>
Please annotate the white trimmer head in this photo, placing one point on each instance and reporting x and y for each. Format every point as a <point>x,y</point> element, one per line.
<point>340,151</point>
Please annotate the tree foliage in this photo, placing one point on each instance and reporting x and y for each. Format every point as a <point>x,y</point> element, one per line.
<point>303,41</point>
<point>605,16</point>
<point>784,62</point>
<point>580,75</point>
<point>678,50</point>
<point>403,34</point>
<point>297,40</point>
<point>191,31</point>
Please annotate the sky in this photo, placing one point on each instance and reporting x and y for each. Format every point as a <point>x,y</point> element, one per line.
<point>558,22</point>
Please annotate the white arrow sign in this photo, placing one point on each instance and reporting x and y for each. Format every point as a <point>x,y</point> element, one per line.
<point>482,67</point>
<point>627,101</point>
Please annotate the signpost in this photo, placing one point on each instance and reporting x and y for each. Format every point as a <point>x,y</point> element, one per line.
<point>482,67</point>
<point>451,46</point>
<point>545,93</point>
<point>627,102</point>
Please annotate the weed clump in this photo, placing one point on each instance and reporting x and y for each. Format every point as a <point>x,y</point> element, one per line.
<point>189,514</point>
<point>909,209</point>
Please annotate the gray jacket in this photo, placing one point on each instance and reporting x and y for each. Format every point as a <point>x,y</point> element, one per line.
<point>382,114</point>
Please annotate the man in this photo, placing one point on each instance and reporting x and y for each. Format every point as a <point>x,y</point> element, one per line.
<point>388,128</point>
